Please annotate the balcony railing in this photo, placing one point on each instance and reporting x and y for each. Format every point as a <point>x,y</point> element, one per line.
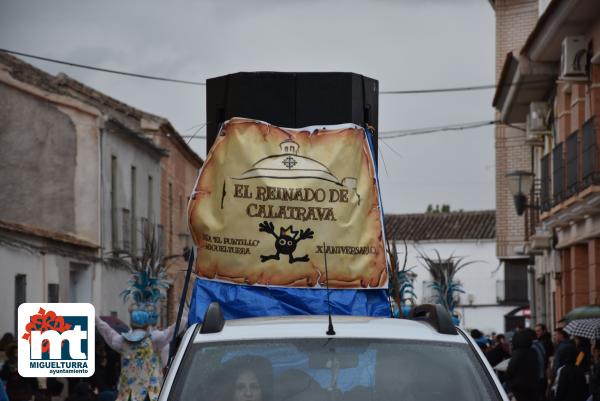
<point>511,292</point>
<point>590,173</point>
<point>557,174</point>
<point>572,164</point>
<point>571,167</point>
<point>546,183</point>
<point>532,215</point>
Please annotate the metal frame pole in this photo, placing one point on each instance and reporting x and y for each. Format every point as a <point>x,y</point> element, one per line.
<point>181,305</point>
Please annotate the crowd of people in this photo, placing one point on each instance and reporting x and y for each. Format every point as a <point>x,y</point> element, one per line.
<point>99,387</point>
<point>533,365</point>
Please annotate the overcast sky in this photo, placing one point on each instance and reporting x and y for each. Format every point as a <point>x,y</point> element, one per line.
<point>405,44</point>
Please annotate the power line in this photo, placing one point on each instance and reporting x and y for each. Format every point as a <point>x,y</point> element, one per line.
<point>382,134</point>
<point>437,90</point>
<point>384,163</point>
<point>464,88</point>
<point>194,126</point>
<point>430,130</point>
<point>391,134</point>
<point>390,147</point>
<point>196,132</point>
<point>89,67</point>
<point>197,83</point>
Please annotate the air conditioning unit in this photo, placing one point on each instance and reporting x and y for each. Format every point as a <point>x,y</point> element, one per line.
<point>573,58</point>
<point>541,241</point>
<point>537,121</point>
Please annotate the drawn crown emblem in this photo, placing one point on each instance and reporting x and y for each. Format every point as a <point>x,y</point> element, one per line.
<point>288,231</point>
<point>289,146</point>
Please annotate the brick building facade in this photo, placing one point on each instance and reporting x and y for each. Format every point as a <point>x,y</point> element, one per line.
<point>178,176</point>
<point>562,223</point>
<point>514,21</point>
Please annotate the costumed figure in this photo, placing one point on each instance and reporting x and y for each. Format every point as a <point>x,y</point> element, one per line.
<point>141,347</point>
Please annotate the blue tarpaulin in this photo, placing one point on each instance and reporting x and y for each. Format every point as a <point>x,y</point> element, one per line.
<point>239,301</point>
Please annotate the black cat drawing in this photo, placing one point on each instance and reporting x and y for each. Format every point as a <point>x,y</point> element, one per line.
<point>285,242</point>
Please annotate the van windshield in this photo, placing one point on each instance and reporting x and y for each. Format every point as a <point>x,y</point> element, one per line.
<point>331,369</point>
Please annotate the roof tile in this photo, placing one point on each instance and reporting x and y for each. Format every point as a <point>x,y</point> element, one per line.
<point>441,226</point>
<point>47,234</point>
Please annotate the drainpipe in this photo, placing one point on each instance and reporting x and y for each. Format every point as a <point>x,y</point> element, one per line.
<point>101,209</point>
<point>101,186</point>
<point>44,285</point>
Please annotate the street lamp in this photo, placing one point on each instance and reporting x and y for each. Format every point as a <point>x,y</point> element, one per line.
<point>519,184</point>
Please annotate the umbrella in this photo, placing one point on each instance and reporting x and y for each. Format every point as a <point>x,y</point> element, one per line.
<point>117,324</point>
<point>583,312</point>
<point>588,328</point>
<point>502,366</point>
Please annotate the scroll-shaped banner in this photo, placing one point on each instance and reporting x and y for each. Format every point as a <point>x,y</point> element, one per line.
<point>270,202</point>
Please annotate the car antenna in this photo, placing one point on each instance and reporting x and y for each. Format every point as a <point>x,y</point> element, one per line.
<point>330,330</point>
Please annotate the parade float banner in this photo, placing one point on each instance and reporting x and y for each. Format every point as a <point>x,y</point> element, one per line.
<point>270,203</point>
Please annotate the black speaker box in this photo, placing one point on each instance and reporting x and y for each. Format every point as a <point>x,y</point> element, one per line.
<point>292,99</point>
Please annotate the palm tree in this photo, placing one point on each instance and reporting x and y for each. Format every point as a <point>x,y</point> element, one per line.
<point>400,288</point>
<point>443,274</point>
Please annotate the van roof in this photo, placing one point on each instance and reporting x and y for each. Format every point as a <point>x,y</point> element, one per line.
<point>263,328</point>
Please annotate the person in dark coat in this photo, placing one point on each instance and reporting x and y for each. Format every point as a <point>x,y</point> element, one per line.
<point>584,353</point>
<point>481,340</point>
<point>540,351</point>
<point>561,339</point>
<point>570,379</point>
<point>6,340</point>
<point>595,371</point>
<point>3,395</point>
<point>543,336</point>
<point>82,392</point>
<point>499,352</point>
<point>523,368</point>
<point>18,388</point>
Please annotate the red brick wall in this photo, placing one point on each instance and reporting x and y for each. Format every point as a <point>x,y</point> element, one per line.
<point>580,263</point>
<point>594,271</point>
<point>579,275</point>
<point>566,280</point>
<point>579,284</point>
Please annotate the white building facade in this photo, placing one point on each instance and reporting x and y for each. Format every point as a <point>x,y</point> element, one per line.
<point>470,236</point>
<point>480,307</point>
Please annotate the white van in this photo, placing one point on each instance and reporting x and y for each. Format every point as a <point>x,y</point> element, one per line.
<point>424,358</point>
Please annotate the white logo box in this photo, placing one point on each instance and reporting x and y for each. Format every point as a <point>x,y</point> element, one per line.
<point>79,361</point>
